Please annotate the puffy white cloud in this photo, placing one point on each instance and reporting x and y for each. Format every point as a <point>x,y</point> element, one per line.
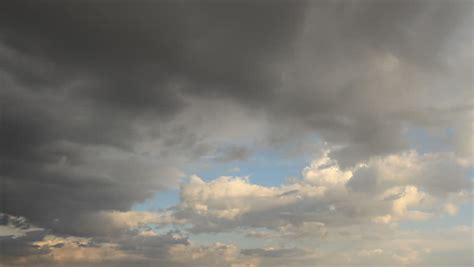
<point>404,186</point>
<point>230,197</point>
<point>325,172</point>
<point>450,208</point>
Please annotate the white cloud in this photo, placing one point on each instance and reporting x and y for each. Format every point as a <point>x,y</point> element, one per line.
<point>383,190</point>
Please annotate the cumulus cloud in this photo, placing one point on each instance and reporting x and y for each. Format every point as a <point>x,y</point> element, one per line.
<point>383,190</point>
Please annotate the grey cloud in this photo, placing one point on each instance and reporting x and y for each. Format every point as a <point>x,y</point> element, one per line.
<point>13,246</point>
<point>364,180</point>
<point>233,153</point>
<point>439,175</point>
<point>210,45</point>
<point>274,253</point>
<point>357,67</point>
<point>109,76</point>
<point>153,246</point>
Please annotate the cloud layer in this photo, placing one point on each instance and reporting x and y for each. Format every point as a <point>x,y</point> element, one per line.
<point>326,205</point>
<point>106,104</point>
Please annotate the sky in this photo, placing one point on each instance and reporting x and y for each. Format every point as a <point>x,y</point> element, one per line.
<point>236,133</point>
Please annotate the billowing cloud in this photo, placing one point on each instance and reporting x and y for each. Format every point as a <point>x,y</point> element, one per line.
<point>403,186</point>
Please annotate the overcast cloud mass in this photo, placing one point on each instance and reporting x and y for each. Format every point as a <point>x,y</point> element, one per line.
<point>236,133</point>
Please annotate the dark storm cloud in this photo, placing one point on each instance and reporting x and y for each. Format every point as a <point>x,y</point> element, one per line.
<point>67,165</point>
<point>137,49</point>
<point>358,67</point>
<point>12,246</point>
<point>81,78</point>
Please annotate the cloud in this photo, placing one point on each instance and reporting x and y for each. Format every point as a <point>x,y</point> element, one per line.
<point>104,105</point>
<point>437,173</point>
<point>18,237</point>
<point>208,50</point>
<point>217,254</point>
<point>98,107</point>
<point>365,109</point>
<point>233,153</point>
<point>382,190</point>
<point>229,198</point>
<point>37,247</point>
